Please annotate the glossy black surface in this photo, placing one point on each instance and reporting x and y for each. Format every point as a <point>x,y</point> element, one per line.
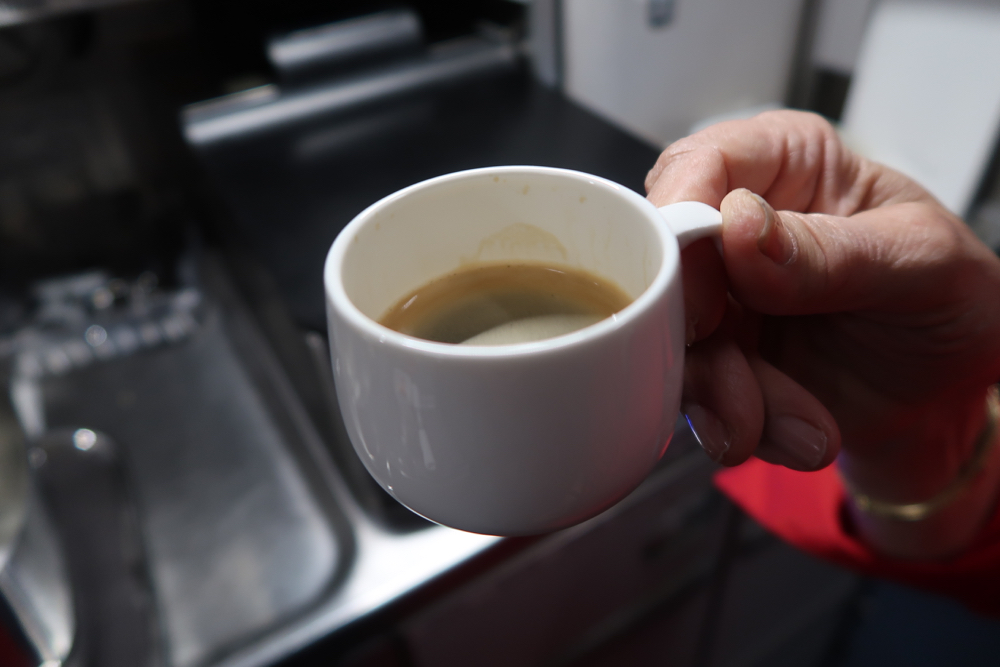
<point>290,192</point>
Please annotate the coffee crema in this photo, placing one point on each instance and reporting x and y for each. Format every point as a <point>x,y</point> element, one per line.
<point>505,303</point>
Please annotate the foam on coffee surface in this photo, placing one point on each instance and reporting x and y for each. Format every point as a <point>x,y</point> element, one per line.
<point>532,329</point>
<point>505,304</point>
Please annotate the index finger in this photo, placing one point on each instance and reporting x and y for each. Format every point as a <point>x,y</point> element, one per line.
<point>795,160</point>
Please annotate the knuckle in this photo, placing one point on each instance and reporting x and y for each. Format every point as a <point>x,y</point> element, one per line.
<point>679,151</point>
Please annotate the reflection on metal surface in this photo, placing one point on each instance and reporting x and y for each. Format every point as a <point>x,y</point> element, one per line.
<point>345,42</point>
<point>95,335</point>
<point>253,544</point>
<point>84,439</point>
<point>87,495</point>
<point>388,565</point>
<point>36,586</point>
<point>13,480</point>
<point>232,103</point>
<point>90,317</point>
<point>235,539</point>
<point>217,120</point>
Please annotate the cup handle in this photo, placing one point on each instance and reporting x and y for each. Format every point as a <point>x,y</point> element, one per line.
<point>691,220</point>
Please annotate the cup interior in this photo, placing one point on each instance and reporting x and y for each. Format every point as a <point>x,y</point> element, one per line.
<point>504,214</point>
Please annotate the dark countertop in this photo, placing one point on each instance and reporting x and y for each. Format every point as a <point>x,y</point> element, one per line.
<point>291,191</point>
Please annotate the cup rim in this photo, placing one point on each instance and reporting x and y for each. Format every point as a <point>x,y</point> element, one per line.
<point>337,296</point>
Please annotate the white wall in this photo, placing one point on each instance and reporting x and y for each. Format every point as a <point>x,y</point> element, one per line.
<point>840,27</point>
<point>715,57</point>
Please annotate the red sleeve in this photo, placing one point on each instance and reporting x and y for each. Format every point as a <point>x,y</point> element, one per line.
<point>806,509</point>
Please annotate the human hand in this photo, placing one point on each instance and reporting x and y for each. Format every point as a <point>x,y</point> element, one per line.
<point>862,314</point>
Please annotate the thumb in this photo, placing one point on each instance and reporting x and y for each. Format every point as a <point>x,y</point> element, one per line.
<point>896,257</point>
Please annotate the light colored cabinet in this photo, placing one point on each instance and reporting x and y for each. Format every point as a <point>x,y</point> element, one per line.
<point>656,68</point>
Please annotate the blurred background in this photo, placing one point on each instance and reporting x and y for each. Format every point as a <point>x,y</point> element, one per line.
<point>176,487</point>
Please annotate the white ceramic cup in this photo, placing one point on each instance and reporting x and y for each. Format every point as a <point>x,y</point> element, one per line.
<point>524,438</point>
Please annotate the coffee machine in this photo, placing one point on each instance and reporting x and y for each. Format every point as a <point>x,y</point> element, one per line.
<point>178,488</point>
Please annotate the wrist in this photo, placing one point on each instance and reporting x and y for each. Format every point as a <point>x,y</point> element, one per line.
<point>922,454</point>
<point>931,499</point>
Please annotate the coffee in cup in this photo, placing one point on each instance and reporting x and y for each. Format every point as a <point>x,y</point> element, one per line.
<point>504,303</point>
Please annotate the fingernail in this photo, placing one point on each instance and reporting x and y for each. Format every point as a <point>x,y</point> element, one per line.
<point>711,433</point>
<point>798,439</point>
<point>773,240</point>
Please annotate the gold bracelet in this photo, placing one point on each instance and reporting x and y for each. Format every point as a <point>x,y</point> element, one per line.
<point>922,510</point>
